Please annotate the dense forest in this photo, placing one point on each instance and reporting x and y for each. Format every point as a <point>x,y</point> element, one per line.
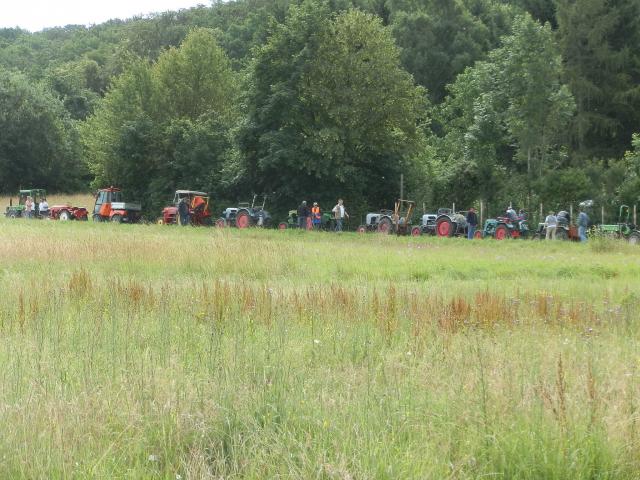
<point>501,101</point>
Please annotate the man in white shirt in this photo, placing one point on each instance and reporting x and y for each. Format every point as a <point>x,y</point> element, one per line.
<point>339,213</point>
<point>43,208</point>
<point>551,224</point>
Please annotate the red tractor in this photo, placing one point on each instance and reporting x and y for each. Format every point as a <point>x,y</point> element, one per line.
<point>199,213</point>
<point>67,212</point>
<point>110,207</point>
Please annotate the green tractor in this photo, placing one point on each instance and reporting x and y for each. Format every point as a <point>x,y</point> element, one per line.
<point>502,228</point>
<point>326,221</point>
<point>624,229</point>
<point>16,211</point>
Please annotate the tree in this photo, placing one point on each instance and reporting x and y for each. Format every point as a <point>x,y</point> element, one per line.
<point>505,116</point>
<point>599,42</point>
<point>331,112</point>
<point>166,125</point>
<point>39,144</point>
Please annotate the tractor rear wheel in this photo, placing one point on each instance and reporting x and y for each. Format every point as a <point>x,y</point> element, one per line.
<point>243,220</point>
<point>221,223</point>
<point>384,226</point>
<point>96,217</point>
<point>444,227</point>
<point>117,218</point>
<point>282,226</point>
<point>416,231</point>
<point>502,232</point>
<point>64,215</point>
<point>634,238</point>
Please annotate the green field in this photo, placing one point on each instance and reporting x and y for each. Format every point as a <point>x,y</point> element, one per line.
<point>167,352</point>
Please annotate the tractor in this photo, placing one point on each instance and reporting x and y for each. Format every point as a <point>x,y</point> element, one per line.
<point>199,213</point>
<point>427,225</point>
<point>396,221</point>
<point>624,229</point>
<point>450,223</point>
<point>56,212</point>
<point>110,207</point>
<point>245,215</point>
<point>564,231</point>
<point>326,221</point>
<point>502,228</point>
<point>15,211</point>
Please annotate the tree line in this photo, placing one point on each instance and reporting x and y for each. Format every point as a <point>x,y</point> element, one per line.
<point>500,101</point>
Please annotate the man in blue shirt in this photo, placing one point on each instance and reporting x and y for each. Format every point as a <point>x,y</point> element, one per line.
<point>583,223</point>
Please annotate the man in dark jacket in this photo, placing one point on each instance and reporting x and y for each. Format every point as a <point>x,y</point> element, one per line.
<point>472,223</point>
<point>303,215</point>
<point>183,211</point>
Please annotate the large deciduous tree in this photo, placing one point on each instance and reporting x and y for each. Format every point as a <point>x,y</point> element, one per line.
<point>331,111</point>
<point>506,117</point>
<point>166,125</point>
<point>38,141</point>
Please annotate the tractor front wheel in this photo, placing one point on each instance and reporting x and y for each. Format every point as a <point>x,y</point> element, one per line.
<point>160,221</point>
<point>362,229</point>
<point>634,238</point>
<point>444,227</point>
<point>384,226</point>
<point>64,216</point>
<point>282,226</point>
<point>243,220</point>
<point>117,218</point>
<point>478,235</point>
<point>502,232</point>
<point>221,223</point>
<point>416,231</point>
<point>96,217</point>
<point>13,215</point>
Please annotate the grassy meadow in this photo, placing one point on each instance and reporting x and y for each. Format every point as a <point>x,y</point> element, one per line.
<point>166,352</point>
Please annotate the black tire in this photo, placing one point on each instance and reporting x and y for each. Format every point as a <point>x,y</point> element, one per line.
<point>64,216</point>
<point>117,218</point>
<point>96,218</point>
<point>634,238</point>
<point>13,214</point>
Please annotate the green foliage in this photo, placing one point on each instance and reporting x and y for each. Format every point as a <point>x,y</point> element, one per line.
<point>599,42</point>
<point>39,142</point>
<point>165,125</point>
<point>330,111</point>
<point>505,117</point>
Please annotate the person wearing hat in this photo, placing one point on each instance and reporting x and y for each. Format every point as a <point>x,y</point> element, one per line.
<point>551,224</point>
<point>316,216</point>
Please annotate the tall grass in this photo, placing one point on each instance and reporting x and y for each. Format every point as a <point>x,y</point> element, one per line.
<point>160,352</point>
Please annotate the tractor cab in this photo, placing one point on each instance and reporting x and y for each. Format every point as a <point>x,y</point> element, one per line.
<point>37,194</point>
<point>110,206</point>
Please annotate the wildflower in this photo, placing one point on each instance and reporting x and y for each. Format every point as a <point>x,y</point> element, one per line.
<point>153,458</point>
<point>316,341</point>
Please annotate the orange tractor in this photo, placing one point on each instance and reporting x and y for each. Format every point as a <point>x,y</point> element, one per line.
<point>111,207</point>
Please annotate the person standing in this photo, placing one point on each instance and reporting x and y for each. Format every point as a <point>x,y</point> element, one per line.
<point>28,204</point>
<point>303,215</point>
<point>339,213</point>
<point>316,216</point>
<point>183,211</point>
<point>472,223</point>
<point>551,225</point>
<point>583,223</point>
<point>43,208</point>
